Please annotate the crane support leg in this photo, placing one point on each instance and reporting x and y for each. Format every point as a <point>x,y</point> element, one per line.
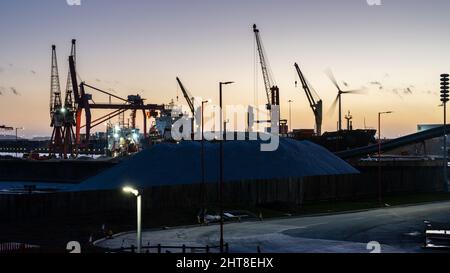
<point>145,123</point>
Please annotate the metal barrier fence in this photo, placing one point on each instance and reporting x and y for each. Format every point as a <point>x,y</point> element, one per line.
<point>169,249</point>
<point>15,248</point>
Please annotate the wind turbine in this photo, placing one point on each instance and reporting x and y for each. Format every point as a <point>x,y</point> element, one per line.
<point>339,97</point>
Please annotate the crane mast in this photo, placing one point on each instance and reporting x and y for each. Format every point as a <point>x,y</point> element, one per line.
<point>272,91</point>
<point>68,102</point>
<point>55,89</point>
<point>70,144</point>
<point>56,110</point>
<point>316,106</point>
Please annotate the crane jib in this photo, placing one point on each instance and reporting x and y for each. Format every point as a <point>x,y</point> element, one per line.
<point>316,106</point>
<point>272,92</point>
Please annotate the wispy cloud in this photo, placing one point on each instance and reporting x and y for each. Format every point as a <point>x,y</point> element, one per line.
<point>429,92</point>
<point>407,91</point>
<point>14,91</point>
<point>399,91</point>
<point>377,84</point>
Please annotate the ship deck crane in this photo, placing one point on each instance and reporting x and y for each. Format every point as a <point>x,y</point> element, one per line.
<point>316,105</point>
<point>189,99</point>
<point>187,96</point>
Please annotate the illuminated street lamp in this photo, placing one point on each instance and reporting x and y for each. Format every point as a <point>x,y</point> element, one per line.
<point>203,162</point>
<point>290,116</point>
<point>221,164</point>
<point>17,137</point>
<point>136,193</point>
<point>379,154</point>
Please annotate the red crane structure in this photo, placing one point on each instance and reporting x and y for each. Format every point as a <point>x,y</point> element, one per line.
<point>62,114</point>
<point>84,102</point>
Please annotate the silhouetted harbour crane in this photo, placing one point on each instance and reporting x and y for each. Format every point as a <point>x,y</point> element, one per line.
<point>187,96</point>
<point>272,91</point>
<point>316,105</point>
<point>57,111</point>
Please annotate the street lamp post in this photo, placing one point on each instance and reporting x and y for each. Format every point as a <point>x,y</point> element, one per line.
<point>290,116</point>
<point>379,155</point>
<point>221,165</point>
<point>444,100</point>
<point>17,137</point>
<point>203,163</point>
<point>136,193</point>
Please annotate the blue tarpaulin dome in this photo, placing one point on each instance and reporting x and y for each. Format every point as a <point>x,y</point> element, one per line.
<point>171,164</point>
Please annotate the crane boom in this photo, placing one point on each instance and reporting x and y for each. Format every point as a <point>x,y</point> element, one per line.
<point>187,96</point>
<point>272,91</point>
<point>316,106</point>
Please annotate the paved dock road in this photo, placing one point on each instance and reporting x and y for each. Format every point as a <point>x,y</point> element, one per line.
<point>396,229</point>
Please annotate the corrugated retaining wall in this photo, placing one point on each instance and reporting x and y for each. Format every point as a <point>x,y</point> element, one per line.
<point>398,177</point>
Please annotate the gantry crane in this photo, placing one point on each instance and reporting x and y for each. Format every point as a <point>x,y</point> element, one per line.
<point>272,91</point>
<point>315,104</point>
<point>62,114</point>
<point>83,101</point>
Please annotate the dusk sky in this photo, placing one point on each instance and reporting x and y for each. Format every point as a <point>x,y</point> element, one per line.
<point>396,51</point>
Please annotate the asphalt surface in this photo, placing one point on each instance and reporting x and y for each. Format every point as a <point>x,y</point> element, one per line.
<point>396,229</point>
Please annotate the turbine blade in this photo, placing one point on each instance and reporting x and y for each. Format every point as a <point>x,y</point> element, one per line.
<point>332,78</point>
<point>356,91</point>
<point>333,106</point>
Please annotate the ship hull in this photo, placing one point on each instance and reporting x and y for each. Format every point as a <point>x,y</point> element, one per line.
<point>343,140</point>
